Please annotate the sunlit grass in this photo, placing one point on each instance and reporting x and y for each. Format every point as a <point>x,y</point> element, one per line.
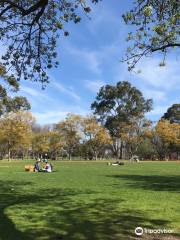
<point>87,200</point>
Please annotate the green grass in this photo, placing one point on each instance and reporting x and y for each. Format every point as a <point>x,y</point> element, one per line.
<point>87,200</point>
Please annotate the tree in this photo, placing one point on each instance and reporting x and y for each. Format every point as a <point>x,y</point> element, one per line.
<point>40,143</point>
<point>173,114</point>
<point>46,140</point>
<point>133,134</point>
<point>146,150</point>
<point>156,29</point>
<point>7,103</point>
<point>96,136</point>
<point>118,105</point>
<point>70,129</point>
<point>164,136</point>
<point>56,144</point>
<point>30,30</point>
<point>15,131</point>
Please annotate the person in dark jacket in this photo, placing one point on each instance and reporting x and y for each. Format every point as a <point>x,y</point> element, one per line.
<point>37,167</point>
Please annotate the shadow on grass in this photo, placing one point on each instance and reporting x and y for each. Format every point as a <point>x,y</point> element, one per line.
<point>155,183</point>
<point>65,214</point>
<point>9,198</point>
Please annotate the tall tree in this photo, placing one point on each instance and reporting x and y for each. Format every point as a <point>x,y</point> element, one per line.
<point>56,144</point>
<point>16,131</point>
<point>163,136</point>
<point>156,29</point>
<point>96,136</point>
<point>40,143</point>
<point>30,30</point>
<point>173,113</point>
<point>8,103</point>
<point>133,134</point>
<point>70,129</point>
<point>118,105</point>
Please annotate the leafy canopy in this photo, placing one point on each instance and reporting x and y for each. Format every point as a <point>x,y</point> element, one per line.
<point>120,104</point>
<point>16,130</point>
<point>30,30</point>
<point>8,103</point>
<point>157,29</point>
<point>173,113</point>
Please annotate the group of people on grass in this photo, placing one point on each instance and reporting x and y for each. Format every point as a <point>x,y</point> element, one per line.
<point>46,168</point>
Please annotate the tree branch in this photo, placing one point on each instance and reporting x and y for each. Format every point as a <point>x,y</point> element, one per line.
<point>165,46</point>
<point>5,10</point>
<point>40,3</point>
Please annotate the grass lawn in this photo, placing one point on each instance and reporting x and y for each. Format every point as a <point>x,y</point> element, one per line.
<point>89,200</point>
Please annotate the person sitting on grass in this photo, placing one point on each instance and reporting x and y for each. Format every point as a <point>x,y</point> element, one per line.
<point>117,163</point>
<point>48,167</point>
<point>37,167</point>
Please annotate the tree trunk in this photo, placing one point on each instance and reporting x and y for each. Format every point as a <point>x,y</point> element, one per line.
<point>121,151</point>
<point>96,155</point>
<point>9,154</point>
<point>116,147</point>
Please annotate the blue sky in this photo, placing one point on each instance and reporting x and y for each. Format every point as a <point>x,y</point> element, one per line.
<point>89,58</point>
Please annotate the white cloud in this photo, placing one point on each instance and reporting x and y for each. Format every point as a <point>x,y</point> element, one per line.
<point>68,91</point>
<point>94,86</point>
<point>96,60</point>
<point>30,91</point>
<point>48,117</point>
<point>35,94</point>
<point>160,77</point>
<point>158,111</point>
<point>89,58</point>
<point>56,115</point>
<point>157,95</point>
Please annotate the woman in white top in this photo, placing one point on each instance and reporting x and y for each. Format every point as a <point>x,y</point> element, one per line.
<point>48,167</point>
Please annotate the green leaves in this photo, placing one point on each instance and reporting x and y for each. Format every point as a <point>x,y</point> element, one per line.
<point>147,11</point>
<point>59,24</point>
<point>120,103</point>
<point>173,113</point>
<point>156,29</point>
<point>31,30</point>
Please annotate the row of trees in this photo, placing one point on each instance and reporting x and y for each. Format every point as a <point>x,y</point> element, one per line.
<point>118,128</point>
<point>84,137</point>
<point>76,135</point>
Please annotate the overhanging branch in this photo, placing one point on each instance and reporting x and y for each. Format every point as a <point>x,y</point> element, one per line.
<point>165,46</point>
<point>40,4</point>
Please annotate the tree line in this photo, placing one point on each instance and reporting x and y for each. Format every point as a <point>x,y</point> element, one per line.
<point>117,128</point>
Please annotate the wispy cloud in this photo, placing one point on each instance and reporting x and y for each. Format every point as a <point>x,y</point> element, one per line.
<point>87,56</point>
<point>166,77</point>
<point>66,90</point>
<point>30,91</point>
<point>158,111</point>
<point>34,93</point>
<point>157,95</point>
<point>48,117</point>
<point>56,115</point>
<point>96,59</point>
<point>94,86</point>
